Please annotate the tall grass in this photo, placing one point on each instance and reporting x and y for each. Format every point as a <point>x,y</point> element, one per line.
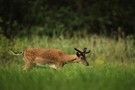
<point>71,77</point>
<point>111,65</point>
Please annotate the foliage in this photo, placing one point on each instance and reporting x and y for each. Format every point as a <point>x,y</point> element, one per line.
<point>66,15</point>
<point>105,77</point>
<point>111,64</point>
<point>103,49</point>
<point>4,49</point>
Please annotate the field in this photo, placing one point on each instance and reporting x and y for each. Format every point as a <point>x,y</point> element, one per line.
<point>111,62</point>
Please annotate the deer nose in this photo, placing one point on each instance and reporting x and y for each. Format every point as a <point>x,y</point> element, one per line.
<point>87,64</point>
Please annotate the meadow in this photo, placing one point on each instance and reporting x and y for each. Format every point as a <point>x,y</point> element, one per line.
<point>112,64</point>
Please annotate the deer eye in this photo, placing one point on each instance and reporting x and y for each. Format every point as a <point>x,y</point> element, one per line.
<point>81,57</point>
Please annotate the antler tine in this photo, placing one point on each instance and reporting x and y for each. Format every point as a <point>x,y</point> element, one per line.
<point>77,50</point>
<point>84,50</point>
<point>87,52</point>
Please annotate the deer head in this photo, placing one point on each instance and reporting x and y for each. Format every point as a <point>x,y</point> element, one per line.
<point>82,56</point>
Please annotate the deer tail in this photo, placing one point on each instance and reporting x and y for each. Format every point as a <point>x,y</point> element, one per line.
<point>17,53</point>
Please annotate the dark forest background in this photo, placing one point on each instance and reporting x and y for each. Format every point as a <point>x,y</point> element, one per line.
<point>48,17</point>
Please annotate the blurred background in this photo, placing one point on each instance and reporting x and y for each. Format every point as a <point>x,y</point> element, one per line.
<point>106,27</point>
<point>54,17</point>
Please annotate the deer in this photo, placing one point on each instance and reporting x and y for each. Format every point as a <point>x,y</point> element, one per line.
<point>55,58</point>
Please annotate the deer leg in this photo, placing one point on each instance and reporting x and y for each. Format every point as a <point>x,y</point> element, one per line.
<point>27,65</point>
<point>39,62</point>
<point>53,66</point>
<point>59,65</point>
<point>39,65</point>
<point>56,66</point>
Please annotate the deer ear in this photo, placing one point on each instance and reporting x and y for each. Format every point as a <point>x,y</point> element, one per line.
<point>78,55</point>
<point>77,50</point>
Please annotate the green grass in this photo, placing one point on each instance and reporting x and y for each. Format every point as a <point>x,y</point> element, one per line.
<point>111,67</point>
<point>71,77</point>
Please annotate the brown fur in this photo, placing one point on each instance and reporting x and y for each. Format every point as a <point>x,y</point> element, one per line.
<point>47,56</point>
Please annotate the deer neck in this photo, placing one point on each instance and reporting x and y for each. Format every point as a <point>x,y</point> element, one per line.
<point>70,58</point>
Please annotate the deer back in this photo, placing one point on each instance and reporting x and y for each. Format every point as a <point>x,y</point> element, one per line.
<point>46,54</point>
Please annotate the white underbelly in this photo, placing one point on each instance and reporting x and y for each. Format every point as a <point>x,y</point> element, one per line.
<point>53,66</point>
<point>43,65</point>
<point>40,64</point>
